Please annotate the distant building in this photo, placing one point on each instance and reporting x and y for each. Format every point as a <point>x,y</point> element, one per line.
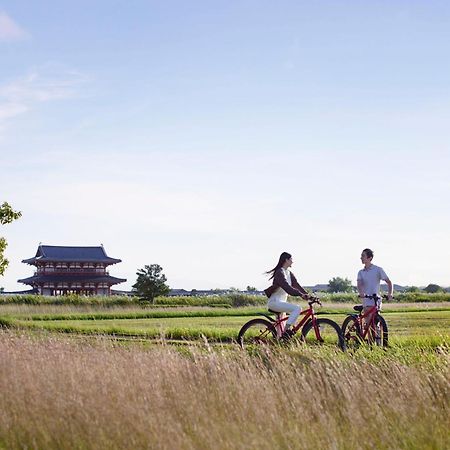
<point>317,288</point>
<point>179,293</point>
<point>71,270</point>
<point>209,292</point>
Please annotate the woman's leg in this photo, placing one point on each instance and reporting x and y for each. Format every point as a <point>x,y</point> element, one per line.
<point>293,310</point>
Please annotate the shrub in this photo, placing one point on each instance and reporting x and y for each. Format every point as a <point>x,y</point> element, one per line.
<point>238,300</point>
<point>30,299</point>
<point>231,300</point>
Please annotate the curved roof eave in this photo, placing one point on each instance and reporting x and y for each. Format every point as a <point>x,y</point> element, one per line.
<point>33,260</point>
<point>67,279</point>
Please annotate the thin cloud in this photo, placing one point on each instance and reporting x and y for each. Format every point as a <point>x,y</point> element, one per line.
<point>10,30</point>
<point>44,84</point>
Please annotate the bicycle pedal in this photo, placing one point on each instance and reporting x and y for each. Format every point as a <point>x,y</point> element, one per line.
<point>287,335</point>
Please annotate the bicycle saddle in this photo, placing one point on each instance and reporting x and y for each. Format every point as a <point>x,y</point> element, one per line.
<point>274,312</point>
<point>358,308</point>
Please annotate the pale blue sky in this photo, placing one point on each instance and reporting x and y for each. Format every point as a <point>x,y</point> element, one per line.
<point>209,137</point>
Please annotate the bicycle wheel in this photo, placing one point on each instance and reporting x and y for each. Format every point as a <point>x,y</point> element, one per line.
<point>381,332</point>
<point>352,331</point>
<point>330,334</point>
<point>257,332</point>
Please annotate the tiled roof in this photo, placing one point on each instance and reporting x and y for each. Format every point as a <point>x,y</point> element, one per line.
<point>71,254</point>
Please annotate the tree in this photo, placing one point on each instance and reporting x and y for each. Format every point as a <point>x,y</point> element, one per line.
<point>7,215</point>
<point>251,289</point>
<point>412,289</point>
<point>151,282</point>
<point>338,284</point>
<point>433,289</point>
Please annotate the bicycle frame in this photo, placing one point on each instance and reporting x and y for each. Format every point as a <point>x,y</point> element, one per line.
<point>307,313</point>
<point>325,330</point>
<point>372,313</point>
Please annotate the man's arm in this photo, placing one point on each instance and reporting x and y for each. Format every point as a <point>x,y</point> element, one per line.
<point>390,288</point>
<point>385,278</point>
<point>360,287</point>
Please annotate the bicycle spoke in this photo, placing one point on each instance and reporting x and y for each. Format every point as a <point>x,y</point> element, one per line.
<point>376,333</point>
<point>352,332</point>
<point>327,333</point>
<point>257,332</point>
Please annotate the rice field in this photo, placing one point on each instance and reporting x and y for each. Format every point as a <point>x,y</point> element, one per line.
<point>219,324</point>
<point>69,381</point>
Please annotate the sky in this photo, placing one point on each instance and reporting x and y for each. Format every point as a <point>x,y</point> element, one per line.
<point>209,137</point>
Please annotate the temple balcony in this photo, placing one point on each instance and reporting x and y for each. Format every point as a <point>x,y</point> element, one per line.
<point>49,271</point>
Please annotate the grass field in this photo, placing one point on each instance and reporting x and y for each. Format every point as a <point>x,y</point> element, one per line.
<point>61,393</point>
<point>405,322</point>
<point>86,387</point>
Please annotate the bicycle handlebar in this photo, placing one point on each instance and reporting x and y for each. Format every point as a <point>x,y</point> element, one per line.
<point>312,300</point>
<point>377,297</point>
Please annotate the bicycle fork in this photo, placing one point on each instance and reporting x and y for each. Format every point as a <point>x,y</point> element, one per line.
<point>316,329</point>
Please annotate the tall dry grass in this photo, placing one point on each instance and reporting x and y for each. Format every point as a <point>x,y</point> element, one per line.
<point>61,394</point>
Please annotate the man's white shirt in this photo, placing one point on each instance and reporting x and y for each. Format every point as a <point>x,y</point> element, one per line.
<point>370,279</point>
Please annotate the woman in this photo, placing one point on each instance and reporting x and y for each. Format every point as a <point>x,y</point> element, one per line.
<point>284,284</point>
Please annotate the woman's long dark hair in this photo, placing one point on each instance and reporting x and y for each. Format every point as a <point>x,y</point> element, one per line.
<point>283,257</point>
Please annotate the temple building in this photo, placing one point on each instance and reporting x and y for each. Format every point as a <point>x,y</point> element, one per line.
<point>71,270</point>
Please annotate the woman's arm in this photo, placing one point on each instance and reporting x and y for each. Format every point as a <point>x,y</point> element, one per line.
<point>297,286</point>
<point>280,280</point>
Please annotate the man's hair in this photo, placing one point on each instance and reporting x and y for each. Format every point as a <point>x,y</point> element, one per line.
<point>368,252</point>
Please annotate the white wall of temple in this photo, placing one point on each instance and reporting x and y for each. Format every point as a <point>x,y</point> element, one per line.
<point>52,290</point>
<point>103,292</point>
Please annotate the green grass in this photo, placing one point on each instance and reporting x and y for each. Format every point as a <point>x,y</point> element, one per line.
<point>83,312</point>
<point>222,325</point>
<point>161,314</point>
<point>78,377</point>
<point>418,334</point>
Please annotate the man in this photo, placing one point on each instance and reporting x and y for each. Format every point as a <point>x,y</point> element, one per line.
<point>368,281</point>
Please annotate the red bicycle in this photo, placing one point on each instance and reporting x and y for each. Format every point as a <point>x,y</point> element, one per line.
<point>369,326</point>
<point>313,330</point>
